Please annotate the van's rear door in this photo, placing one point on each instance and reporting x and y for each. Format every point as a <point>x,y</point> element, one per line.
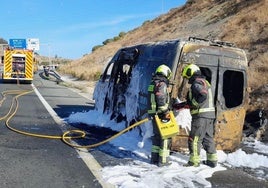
<point>231,99</point>
<point>225,69</point>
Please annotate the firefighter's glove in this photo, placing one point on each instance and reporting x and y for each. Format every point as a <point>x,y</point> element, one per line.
<point>180,106</point>
<point>165,117</point>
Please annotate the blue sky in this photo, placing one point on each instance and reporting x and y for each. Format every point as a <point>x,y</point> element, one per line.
<point>69,28</point>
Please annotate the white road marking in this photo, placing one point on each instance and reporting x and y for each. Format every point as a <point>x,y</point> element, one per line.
<point>89,160</point>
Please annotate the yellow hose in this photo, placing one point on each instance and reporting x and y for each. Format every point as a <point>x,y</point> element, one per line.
<point>65,138</point>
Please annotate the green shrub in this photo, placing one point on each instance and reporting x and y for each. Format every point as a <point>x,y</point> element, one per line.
<point>96,47</point>
<point>121,34</point>
<point>107,41</point>
<point>116,38</point>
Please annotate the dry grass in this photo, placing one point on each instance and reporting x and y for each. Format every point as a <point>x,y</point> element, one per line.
<point>249,31</point>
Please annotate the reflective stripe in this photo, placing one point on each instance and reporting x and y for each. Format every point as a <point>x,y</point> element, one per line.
<point>210,99</point>
<point>163,108</point>
<point>155,149</point>
<point>194,102</point>
<point>151,88</point>
<point>212,157</point>
<point>153,105</point>
<point>152,100</point>
<point>201,110</point>
<point>195,149</point>
<point>194,157</point>
<point>164,153</point>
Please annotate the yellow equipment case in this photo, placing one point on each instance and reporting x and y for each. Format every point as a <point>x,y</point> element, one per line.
<point>167,129</point>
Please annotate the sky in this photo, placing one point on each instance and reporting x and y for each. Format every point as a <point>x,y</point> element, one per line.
<point>69,29</point>
<point>140,173</point>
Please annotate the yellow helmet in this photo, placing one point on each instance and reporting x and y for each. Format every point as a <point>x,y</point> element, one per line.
<point>190,70</point>
<point>164,70</point>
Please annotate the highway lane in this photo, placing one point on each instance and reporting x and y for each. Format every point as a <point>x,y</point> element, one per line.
<point>37,162</point>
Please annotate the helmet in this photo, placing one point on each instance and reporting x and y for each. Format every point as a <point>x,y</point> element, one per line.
<point>190,70</point>
<point>164,70</point>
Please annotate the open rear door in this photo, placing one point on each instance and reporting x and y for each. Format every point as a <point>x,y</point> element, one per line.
<point>230,103</point>
<point>225,69</point>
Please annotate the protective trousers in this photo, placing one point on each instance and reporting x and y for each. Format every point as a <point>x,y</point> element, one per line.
<point>160,148</point>
<point>202,133</point>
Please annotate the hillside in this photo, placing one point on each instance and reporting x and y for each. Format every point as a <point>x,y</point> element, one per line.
<point>243,22</point>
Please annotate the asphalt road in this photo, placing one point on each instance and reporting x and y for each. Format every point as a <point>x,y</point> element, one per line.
<point>27,161</point>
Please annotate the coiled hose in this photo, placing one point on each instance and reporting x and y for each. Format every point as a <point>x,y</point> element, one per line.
<point>65,137</point>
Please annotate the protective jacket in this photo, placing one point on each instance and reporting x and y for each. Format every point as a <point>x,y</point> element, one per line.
<point>158,95</point>
<point>200,98</point>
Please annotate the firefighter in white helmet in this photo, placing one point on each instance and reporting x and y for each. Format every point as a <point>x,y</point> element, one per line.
<point>159,104</point>
<point>202,108</point>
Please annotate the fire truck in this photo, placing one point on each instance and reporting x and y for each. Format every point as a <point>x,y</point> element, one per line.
<point>18,65</point>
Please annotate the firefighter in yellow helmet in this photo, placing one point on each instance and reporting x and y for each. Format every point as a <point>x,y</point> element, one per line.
<point>200,101</point>
<point>159,104</point>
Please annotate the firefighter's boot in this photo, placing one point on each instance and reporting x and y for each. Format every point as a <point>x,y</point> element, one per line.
<point>212,160</point>
<point>211,164</point>
<point>194,160</point>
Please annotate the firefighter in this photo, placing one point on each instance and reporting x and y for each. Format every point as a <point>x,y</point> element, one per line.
<point>200,102</point>
<point>159,104</point>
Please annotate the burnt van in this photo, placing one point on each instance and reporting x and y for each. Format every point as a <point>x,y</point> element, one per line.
<point>122,92</point>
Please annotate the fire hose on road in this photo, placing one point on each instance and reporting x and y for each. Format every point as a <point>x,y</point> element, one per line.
<point>67,136</point>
